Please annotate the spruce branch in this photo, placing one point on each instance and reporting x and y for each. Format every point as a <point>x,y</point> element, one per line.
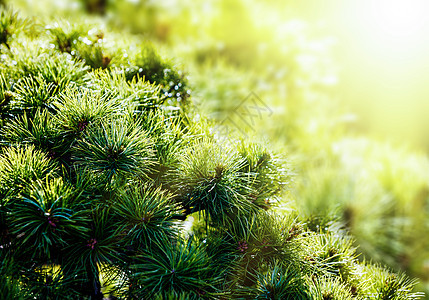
<point>115,150</point>
<point>76,109</point>
<point>40,131</point>
<point>58,69</point>
<point>144,214</point>
<point>44,217</point>
<point>171,268</point>
<point>22,165</point>
<point>112,186</point>
<point>10,25</point>
<point>208,178</point>
<point>149,65</point>
<point>32,93</point>
<point>279,282</point>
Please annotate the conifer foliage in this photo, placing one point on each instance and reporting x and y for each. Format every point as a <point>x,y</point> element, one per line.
<point>104,166</point>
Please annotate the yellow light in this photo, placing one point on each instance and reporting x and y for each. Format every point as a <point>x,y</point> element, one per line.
<point>385,63</point>
<point>397,23</point>
<point>398,16</point>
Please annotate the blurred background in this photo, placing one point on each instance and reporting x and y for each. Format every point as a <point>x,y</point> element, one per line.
<point>346,85</point>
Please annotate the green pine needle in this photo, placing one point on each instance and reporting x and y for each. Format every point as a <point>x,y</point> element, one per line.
<point>23,165</point>
<point>144,215</point>
<point>115,150</point>
<point>172,268</point>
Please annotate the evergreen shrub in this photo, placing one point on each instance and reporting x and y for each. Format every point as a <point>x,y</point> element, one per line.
<point>112,187</point>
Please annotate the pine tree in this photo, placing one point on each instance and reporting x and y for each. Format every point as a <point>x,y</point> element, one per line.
<point>111,185</point>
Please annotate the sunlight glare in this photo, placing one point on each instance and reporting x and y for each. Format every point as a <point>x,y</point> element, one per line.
<point>397,21</point>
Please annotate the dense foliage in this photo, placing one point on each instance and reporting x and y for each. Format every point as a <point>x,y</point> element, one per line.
<point>111,185</point>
